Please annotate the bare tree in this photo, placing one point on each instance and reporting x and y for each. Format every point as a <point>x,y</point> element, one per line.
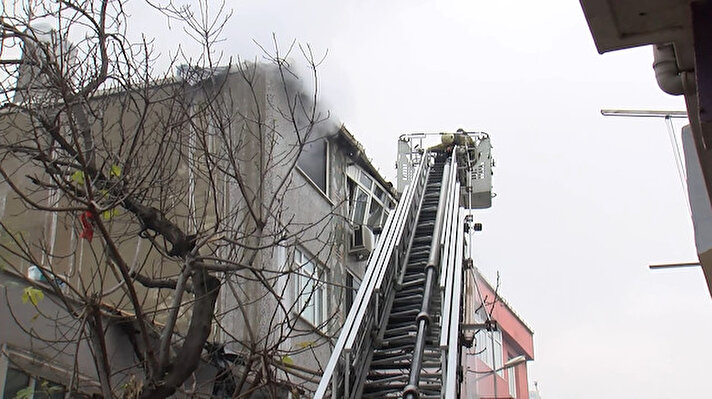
<point>158,203</point>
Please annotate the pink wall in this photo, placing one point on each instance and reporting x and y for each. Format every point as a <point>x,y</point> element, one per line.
<point>517,340</point>
<point>509,322</point>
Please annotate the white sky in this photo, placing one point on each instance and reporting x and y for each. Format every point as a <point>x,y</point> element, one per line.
<point>584,202</point>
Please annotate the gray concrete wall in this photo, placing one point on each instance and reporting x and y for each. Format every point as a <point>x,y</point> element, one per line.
<point>310,220</point>
<point>45,341</point>
<point>256,309</point>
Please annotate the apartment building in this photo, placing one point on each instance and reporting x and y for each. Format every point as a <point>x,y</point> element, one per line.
<point>275,201</point>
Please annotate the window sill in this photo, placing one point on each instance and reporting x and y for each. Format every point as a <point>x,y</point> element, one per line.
<point>315,329</point>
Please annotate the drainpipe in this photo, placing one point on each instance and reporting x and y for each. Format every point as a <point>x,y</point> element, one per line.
<point>667,73</point>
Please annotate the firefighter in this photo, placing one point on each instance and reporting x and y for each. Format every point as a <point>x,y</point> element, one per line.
<point>462,138</point>
<point>447,141</point>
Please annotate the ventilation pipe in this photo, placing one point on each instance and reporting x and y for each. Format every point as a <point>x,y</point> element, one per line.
<point>667,73</point>
<point>29,78</point>
<point>43,44</point>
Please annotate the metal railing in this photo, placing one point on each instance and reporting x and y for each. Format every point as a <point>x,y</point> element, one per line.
<point>452,306</point>
<point>450,282</point>
<point>346,369</point>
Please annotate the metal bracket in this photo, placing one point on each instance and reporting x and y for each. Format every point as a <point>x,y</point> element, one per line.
<point>489,325</point>
<point>468,223</point>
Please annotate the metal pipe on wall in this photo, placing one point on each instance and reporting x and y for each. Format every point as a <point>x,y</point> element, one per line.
<point>667,73</point>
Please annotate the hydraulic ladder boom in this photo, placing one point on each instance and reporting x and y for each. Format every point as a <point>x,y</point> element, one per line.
<point>401,337</point>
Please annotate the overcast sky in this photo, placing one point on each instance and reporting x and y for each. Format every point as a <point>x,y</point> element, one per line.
<point>584,203</point>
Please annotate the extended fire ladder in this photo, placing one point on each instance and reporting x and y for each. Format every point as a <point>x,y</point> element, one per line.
<point>401,338</point>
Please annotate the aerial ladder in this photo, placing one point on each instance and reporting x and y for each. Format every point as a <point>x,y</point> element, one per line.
<point>402,337</point>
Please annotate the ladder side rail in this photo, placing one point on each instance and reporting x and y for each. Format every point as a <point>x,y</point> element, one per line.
<point>453,361</point>
<point>399,245</point>
<point>404,235</point>
<point>358,333</point>
<point>408,207</point>
<point>447,234</point>
<point>381,255</point>
<point>446,267</point>
<point>361,339</point>
<point>446,294</point>
<point>361,302</point>
<point>385,293</point>
<point>448,270</point>
<point>449,214</point>
<point>446,262</point>
<point>389,245</point>
<point>359,354</point>
<point>348,325</point>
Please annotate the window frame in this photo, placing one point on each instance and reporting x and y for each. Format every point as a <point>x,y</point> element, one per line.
<point>24,361</point>
<point>32,381</point>
<point>327,165</point>
<point>498,351</point>
<point>512,380</point>
<point>354,177</point>
<point>485,352</point>
<point>486,339</point>
<point>317,295</point>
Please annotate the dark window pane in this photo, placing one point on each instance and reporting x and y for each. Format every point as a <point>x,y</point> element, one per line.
<point>14,382</point>
<point>360,206</point>
<point>352,286</point>
<point>375,213</point>
<point>366,181</point>
<point>351,187</point>
<point>380,194</point>
<point>312,161</point>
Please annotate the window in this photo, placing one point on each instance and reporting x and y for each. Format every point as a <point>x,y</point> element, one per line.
<point>19,382</point>
<point>380,194</point>
<point>496,336</point>
<point>309,290</point>
<point>313,161</point>
<point>366,181</point>
<point>512,381</point>
<point>489,348</point>
<point>375,214</point>
<point>15,381</point>
<point>352,285</point>
<point>488,344</point>
<point>360,204</point>
<point>369,202</point>
<point>45,389</point>
<point>22,375</point>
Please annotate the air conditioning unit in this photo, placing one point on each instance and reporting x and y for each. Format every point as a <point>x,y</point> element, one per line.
<point>362,242</point>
